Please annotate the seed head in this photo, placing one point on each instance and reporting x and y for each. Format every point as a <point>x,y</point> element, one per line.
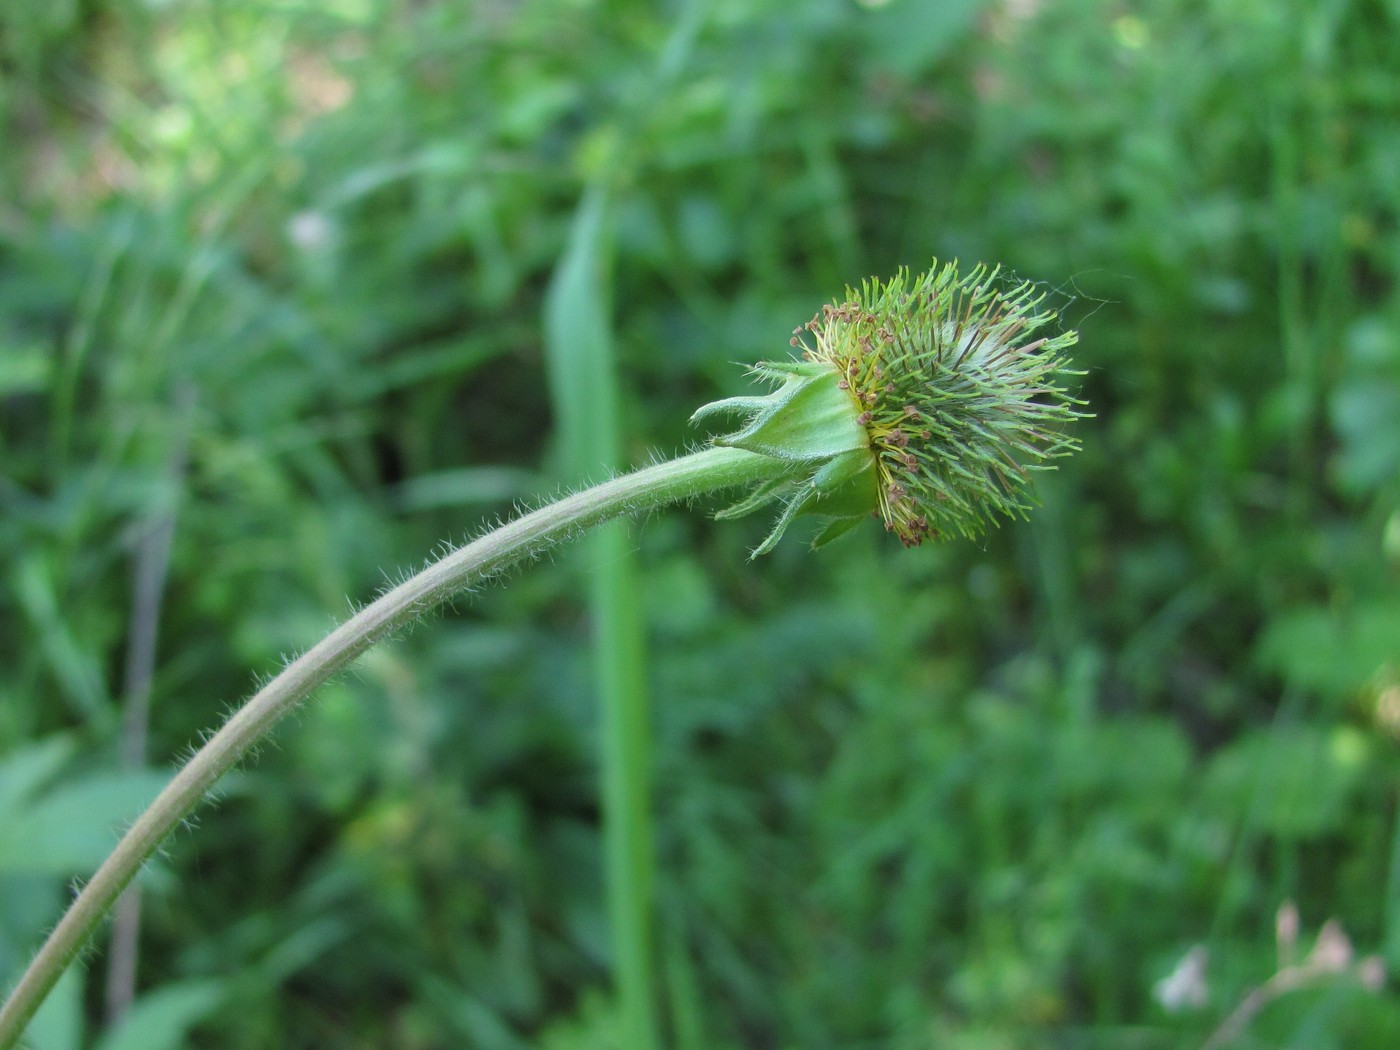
<point>960,402</point>
<point>927,399</point>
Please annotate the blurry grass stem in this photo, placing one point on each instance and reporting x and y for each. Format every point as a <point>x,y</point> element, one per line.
<point>584,391</point>
<point>526,537</point>
<point>150,567</point>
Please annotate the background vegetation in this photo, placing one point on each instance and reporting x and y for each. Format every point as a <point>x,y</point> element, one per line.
<point>277,273</point>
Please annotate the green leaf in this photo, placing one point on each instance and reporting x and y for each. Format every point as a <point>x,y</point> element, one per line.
<point>25,771</point>
<point>74,827</point>
<point>58,1025</point>
<point>1293,782</point>
<point>1366,415</point>
<point>1331,651</point>
<point>161,1020</point>
<point>24,369</point>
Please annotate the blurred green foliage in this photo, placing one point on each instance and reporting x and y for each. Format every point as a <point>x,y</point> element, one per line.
<point>969,796</point>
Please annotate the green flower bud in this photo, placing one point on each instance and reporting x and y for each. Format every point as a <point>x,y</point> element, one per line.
<point>924,401</point>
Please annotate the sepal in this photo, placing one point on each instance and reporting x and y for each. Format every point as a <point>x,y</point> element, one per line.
<point>809,418</point>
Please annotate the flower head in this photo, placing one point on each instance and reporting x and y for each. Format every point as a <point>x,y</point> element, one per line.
<point>927,400</point>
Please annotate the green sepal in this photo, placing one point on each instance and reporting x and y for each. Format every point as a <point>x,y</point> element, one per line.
<point>758,499</point>
<point>813,422</point>
<point>846,486</point>
<point>790,511</point>
<point>730,404</point>
<point>836,528</point>
<point>810,418</point>
<point>843,489</point>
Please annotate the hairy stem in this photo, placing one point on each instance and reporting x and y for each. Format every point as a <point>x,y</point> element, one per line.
<point>525,537</point>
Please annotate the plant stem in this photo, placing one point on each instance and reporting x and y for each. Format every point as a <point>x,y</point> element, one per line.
<point>628,846</point>
<point>528,536</point>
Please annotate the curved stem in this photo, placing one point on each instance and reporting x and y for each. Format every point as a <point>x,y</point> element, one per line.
<point>525,537</point>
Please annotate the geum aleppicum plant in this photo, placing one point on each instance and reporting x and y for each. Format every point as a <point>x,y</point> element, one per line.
<point>925,401</point>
